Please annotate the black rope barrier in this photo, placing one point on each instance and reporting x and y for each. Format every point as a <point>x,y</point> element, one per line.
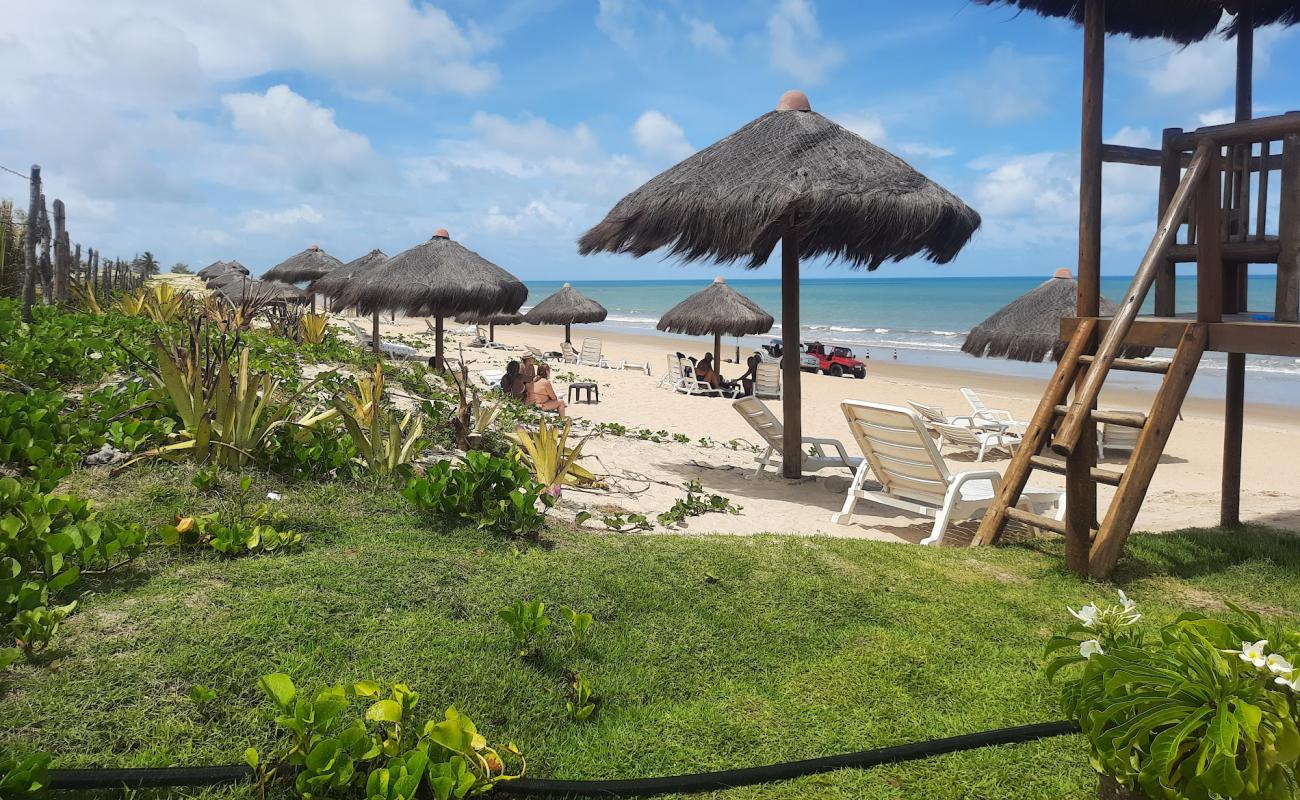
<point>155,778</point>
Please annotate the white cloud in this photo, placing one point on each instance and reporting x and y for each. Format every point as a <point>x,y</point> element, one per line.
<point>1010,87</point>
<point>628,22</point>
<point>921,150</point>
<point>1216,116</point>
<point>705,36</point>
<point>281,220</point>
<point>536,215</point>
<point>1200,73</point>
<point>659,137</point>
<point>1133,137</point>
<point>865,124</point>
<point>796,42</point>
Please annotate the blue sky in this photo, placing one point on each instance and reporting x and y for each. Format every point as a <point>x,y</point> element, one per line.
<point>249,129</point>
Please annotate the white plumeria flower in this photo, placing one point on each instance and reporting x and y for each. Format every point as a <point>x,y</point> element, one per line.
<point>1253,653</point>
<point>1088,615</point>
<point>1292,683</point>
<point>274,496</point>
<point>1089,648</point>
<point>1124,601</point>
<point>96,355</point>
<point>1278,665</point>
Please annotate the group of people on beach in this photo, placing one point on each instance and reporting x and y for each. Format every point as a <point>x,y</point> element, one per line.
<point>707,372</point>
<point>529,382</point>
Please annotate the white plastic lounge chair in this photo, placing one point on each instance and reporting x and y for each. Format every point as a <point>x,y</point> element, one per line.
<point>933,415</point>
<point>570,355</point>
<point>766,425</point>
<point>590,355</point>
<point>996,415</point>
<point>537,355</point>
<point>978,439</point>
<point>392,349</point>
<point>767,380</point>
<point>492,377</point>
<point>1116,437</point>
<point>673,374</point>
<point>641,366</point>
<point>690,384</point>
<point>468,330</point>
<point>914,477</point>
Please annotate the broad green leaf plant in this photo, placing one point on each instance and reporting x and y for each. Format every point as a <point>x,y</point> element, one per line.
<point>385,444</point>
<point>554,464</point>
<point>1199,709</point>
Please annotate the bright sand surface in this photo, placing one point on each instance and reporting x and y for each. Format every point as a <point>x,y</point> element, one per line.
<point>646,477</point>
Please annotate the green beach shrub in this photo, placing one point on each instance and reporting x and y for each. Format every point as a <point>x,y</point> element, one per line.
<point>64,347</point>
<point>1201,708</point>
<point>493,493</point>
<point>240,528</point>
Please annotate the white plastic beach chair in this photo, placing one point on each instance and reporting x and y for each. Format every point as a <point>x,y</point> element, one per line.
<point>392,349</point>
<point>766,425</point>
<point>979,439</point>
<point>933,415</point>
<point>980,411</point>
<point>690,384</point>
<point>767,380</point>
<point>590,355</point>
<point>1116,437</point>
<point>570,355</point>
<point>914,477</point>
<point>672,375</point>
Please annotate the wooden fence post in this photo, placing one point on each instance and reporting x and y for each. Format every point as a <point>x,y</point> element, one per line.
<point>76,263</point>
<point>47,269</point>
<point>1287,303</point>
<point>1170,173</point>
<point>29,243</point>
<point>60,253</point>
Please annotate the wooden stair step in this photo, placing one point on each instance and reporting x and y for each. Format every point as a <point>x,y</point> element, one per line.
<point>1126,419</point>
<point>1133,364</point>
<point>1057,465</point>
<point>1036,520</point>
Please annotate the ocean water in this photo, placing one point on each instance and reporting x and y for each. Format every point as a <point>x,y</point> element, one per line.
<point>921,320</point>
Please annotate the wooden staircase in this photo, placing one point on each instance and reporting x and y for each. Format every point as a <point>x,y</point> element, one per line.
<point>1069,429</point>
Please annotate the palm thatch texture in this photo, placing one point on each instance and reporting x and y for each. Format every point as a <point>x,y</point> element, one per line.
<point>717,309</point>
<point>236,289</point>
<point>332,284</point>
<point>1029,327</point>
<point>308,265</point>
<point>796,176</point>
<point>439,278</point>
<point>219,268</point>
<point>566,307</point>
<point>1182,21</point>
<point>491,320</point>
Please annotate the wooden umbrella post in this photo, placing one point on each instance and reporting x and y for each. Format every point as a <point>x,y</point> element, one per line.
<point>792,455</point>
<point>567,326</point>
<point>717,352</point>
<point>437,343</point>
<point>374,331</point>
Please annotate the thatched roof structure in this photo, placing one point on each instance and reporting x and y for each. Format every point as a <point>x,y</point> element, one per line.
<point>1029,327</point>
<point>308,265</point>
<point>717,309</point>
<point>514,318</point>
<point>238,289</point>
<point>332,284</point>
<point>566,307</point>
<point>439,278</point>
<point>218,268</point>
<point>1182,21</point>
<point>849,198</point>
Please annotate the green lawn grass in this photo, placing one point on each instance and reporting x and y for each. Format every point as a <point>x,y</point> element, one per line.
<point>712,652</point>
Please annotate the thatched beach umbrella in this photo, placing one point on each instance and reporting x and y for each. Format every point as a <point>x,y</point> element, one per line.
<point>439,278</point>
<point>491,320</point>
<point>796,177</point>
<point>218,268</point>
<point>238,289</point>
<point>1029,327</point>
<point>717,309</point>
<point>566,307</point>
<point>308,265</point>
<point>332,284</point>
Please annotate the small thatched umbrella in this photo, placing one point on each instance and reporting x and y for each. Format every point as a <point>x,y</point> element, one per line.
<point>438,278</point>
<point>219,268</point>
<point>334,283</point>
<point>492,321</point>
<point>308,265</point>
<point>566,307</point>
<point>793,176</point>
<point>717,309</point>
<point>1029,327</point>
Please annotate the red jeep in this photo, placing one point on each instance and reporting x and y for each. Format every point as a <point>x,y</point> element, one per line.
<point>836,361</point>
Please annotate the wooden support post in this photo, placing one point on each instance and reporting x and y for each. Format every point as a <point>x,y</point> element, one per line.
<point>1170,173</point>
<point>60,253</point>
<point>1209,247</point>
<point>47,269</point>
<point>567,332</point>
<point>791,400</point>
<point>76,263</point>
<point>1287,303</point>
<point>438,362</point>
<point>29,242</point>
<point>1094,67</point>
<point>717,353</point>
<point>374,332</point>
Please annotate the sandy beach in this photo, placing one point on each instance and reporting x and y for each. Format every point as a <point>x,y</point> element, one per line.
<point>646,476</point>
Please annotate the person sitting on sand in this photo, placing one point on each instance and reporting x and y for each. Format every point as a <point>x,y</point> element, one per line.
<point>528,370</point>
<point>542,394</point>
<point>512,383</point>
<point>751,375</point>
<point>705,372</point>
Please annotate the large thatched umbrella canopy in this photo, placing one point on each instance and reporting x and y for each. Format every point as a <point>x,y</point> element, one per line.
<point>1182,21</point>
<point>492,321</point>
<point>566,307</point>
<point>717,309</point>
<point>218,268</point>
<point>1029,327</point>
<point>439,278</point>
<point>308,265</point>
<point>795,176</point>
